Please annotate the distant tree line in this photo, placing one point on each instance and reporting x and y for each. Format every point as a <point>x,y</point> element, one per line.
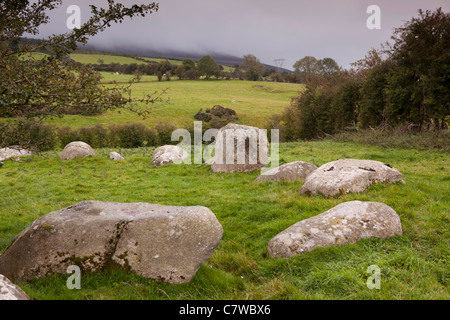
<point>406,83</point>
<point>250,69</point>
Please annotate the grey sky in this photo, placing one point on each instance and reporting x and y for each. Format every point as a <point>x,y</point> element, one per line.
<point>268,29</point>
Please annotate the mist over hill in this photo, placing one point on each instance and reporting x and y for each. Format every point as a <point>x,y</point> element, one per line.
<point>221,58</point>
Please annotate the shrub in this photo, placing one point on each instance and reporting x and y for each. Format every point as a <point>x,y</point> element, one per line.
<point>43,137</point>
<point>164,133</point>
<point>66,136</point>
<point>152,139</point>
<point>217,116</point>
<point>96,136</point>
<point>28,134</point>
<point>130,136</point>
<point>203,116</point>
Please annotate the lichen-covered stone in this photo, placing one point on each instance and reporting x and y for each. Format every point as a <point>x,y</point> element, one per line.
<point>292,171</point>
<point>348,176</point>
<point>77,149</point>
<point>166,243</point>
<point>348,222</point>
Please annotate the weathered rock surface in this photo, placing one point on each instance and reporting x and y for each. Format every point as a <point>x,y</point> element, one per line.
<point>240,148</point>
<point>168,154</point>
<point>116,156</point>
<point>348,222</point>
<point>297,170</point>
<point>77,149</point>
<point>9,291</point>
<point>14,151</point>
<point>348,176</point>
<point>166,243</point>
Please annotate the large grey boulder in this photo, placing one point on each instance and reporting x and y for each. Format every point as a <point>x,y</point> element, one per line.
<point>14,151</point>
<point>348,222</point>
<point>168,154</point>
<point>166,243</point>
<point>292,171</point>
<point>9,291</point>
<point>77,149</point>
<point>240,148</point>
<point>348,176</point>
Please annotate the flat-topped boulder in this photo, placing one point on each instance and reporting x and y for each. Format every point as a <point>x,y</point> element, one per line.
<point>240,148</point>
<point>166,243</point>
<point>348,222</point>
<point>292,171</point>
<point>168,154</point>
<point>77,149</point>
<point>348,176</point>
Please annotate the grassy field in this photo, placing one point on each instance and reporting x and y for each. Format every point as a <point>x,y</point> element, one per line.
<point>256,101</point>
<point>107,59</point>
<point>413,266</point>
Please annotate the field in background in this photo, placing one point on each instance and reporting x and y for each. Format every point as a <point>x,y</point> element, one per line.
<point>255,101</point>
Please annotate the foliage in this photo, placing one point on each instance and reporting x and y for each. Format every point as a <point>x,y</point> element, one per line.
<point>188,64</point>
<point>208,67</point>
<point>309,69</point>
<point>418,85</point>
<point>28,134</point>
<point>217,116</point>
<point>405,84</point>
<point>132,135</point>
<point>50,86</point>
<point>252,67</point>
<point>323,109</point>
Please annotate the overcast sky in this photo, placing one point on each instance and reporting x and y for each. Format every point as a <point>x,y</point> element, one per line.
<point>288,29</point>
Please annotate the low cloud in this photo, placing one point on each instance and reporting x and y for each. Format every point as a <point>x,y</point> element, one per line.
<point>268,29</point>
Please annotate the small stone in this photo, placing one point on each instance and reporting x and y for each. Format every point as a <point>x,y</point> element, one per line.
<point>115,156</point>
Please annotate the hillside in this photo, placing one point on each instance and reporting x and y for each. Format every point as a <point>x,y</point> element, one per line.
<point>255,102</point>
<point>171,55</point>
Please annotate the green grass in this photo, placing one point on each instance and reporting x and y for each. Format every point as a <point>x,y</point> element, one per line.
<point>111,77</point>
<point>413,265</point>
<point>256,101</point>
<point>107,59</point>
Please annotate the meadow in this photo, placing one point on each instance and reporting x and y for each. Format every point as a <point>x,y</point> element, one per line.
<point>107,59</point>
<point>256,101</point>
<point>413,265</point>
